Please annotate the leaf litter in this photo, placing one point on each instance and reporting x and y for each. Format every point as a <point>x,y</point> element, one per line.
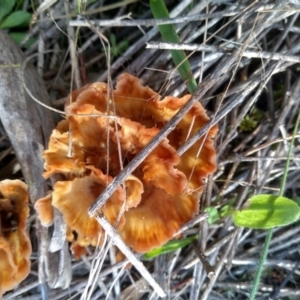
<point>249,162</point>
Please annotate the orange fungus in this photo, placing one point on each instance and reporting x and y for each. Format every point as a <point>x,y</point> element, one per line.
<point>15,246</point>
<point>102,133</point>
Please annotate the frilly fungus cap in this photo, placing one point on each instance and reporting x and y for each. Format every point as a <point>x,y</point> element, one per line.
<point>159,196</point>
<point>15,246</point>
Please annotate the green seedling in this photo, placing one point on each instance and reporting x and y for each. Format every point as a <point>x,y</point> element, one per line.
<point>272,211</point>
<point>251,120</point>
<point>117,48</point>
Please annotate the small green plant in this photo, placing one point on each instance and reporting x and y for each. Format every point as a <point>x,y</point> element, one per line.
<point>13,19</point>
<point>268,211</point>
<point>247,124</point>
<point>214,214</point>
<point>117,48</point>
<point>251,120</point>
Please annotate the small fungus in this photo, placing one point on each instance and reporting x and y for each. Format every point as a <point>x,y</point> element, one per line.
<point>107,128</point>
<point>15,246</point>
<point>77,250</point>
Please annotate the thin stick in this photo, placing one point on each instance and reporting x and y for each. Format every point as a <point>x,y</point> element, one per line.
<point>241,158</point>
<point>218,268</point>
<point>154,22</point>
<point>267,144</point>
<point>129,254</point>
<point>219,49</point>
<point>72,38</point>
<point>191,223</point>
<point>205,263</point>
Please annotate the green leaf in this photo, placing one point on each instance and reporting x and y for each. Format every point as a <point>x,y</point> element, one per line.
<point>123,45</point>
<point>213,214</point>
<point>170,247</point>
<point>169,35</point>
<point>6,7</point>
<point>18,37</point>
<point>17,18</point>
<point>297,200</point>
<point>267,211</point>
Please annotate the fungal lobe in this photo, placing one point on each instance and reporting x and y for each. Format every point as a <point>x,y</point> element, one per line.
<point>15,246</point>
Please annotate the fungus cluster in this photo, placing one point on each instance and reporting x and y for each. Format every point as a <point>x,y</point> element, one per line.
<point>15,246</point>
<point>103,131</point>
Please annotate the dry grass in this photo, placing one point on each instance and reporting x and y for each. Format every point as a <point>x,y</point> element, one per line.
<point>248,66</point>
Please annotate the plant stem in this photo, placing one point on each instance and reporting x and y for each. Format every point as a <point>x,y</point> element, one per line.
<point>270,231</point>
<point>261,264</point>
<point>286,168</point>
